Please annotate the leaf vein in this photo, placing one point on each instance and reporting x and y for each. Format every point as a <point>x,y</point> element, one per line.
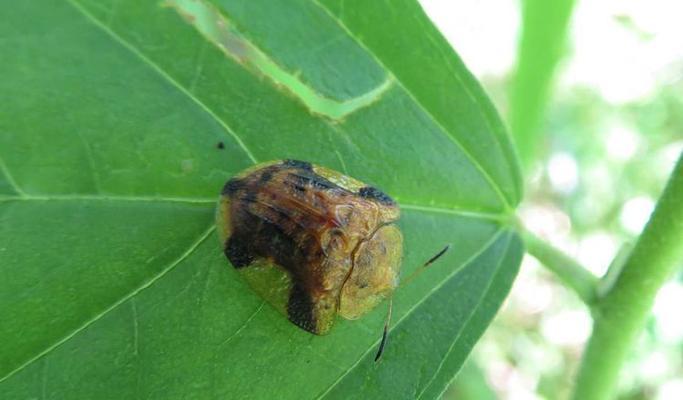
<point>454,211</point>
<point>134,316</point>
<point>191,200</point>
<point>487,177</point>
<point>128,46</point>
<point>91,162</point>
<point>244,325</point>
<point>469,317</point>
<point>10,179</point>
<point>116,304</point>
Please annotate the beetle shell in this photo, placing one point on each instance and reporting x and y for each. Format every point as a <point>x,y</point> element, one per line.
<point>311,241</point>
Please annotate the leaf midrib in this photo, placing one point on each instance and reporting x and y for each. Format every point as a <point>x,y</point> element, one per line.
<point>209,201</point>
<point>85,197</point>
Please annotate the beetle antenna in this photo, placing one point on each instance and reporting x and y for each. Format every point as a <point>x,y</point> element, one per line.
<point>387,323</point>
<point>385,333</point>
<point>425,265</point>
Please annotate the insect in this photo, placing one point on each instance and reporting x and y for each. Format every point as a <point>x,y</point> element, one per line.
<point>311,241</point>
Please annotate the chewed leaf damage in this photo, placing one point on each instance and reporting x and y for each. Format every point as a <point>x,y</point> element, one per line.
<point>218,30</point>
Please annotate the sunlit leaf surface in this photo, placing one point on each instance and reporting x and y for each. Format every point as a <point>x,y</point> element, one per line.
<point>112,281</point>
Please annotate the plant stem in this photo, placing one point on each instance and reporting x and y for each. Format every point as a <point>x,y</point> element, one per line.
<point>571,273</point>
<point>542,46</point>
<point>622,312</point>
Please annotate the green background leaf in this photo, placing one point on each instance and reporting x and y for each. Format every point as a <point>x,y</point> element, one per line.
<point>113,283</point>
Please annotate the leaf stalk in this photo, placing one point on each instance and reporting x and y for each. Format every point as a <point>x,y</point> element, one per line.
<point>621,312</point>
<point>570,272</point>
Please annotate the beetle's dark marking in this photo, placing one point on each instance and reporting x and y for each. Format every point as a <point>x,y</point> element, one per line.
<point>283,215</point>
<point>299,188</point>
<point>320,183</point>
<point>266,176</point>
<point>298,164</point>
<point>300,308</point>
<point>220,145</point>
<point>312,246</point>
<point>312,180</point>
<point>370,192</point>
<point>272,240</point>
<point>238,252</point>
<point>232,186</point>
<point>256,237</point>
<point>249,197</point>
<point>298,180</point>
<point>269,240</point>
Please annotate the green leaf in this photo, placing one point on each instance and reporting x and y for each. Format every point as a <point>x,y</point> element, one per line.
<point>113,282</point>
<point>470,384</point>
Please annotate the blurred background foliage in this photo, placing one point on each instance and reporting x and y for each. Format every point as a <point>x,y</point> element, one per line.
<point>593,95</point>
